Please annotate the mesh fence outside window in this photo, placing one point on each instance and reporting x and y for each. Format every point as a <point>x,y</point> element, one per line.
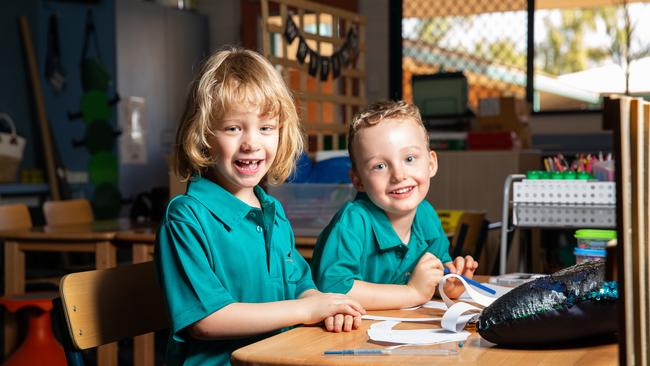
<point>583,50</point>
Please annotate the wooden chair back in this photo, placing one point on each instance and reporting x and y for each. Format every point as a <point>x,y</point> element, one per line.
<point>15,216</point>
<point>108,305</point>
<point>67,212</point>
<point>470,235</point>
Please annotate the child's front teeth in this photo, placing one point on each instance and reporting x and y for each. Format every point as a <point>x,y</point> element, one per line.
<point>403,190</point>
<point>249,163</point>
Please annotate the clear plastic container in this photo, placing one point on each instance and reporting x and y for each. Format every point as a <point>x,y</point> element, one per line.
<point>604,171</point>
<point>585,255</point>
<point>310,206</point>
<point>593,238</point>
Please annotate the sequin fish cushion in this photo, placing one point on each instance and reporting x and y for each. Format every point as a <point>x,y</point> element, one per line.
<point>571,304</point>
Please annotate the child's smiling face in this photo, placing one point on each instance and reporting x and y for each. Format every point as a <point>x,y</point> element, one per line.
<point>243,147</point>
<point>393,165</point>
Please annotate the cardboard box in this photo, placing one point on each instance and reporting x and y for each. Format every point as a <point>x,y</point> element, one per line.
<point>505,114</point>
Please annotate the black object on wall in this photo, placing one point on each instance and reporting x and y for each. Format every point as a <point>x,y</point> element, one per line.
<point>395,49</point>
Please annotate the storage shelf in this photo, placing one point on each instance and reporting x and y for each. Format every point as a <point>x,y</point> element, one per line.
<point>564,216</point>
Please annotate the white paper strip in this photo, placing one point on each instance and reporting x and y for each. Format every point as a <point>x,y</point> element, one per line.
<point>476,296</point>
<point>455,319</point>
<point>434,304</point>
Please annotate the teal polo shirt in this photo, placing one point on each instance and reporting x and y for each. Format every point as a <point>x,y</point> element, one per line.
<point>361,244</point>
<point>212,250</point>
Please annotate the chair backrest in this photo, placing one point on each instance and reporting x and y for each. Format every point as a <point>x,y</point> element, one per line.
<point>108,305</point>
<point>15,216</point>
<point>470,235</point>
<point>76,211</point>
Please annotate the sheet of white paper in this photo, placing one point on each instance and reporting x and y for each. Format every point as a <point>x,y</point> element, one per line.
<point>455,319</point>
<point>388,324</point>
<point>396,319</point>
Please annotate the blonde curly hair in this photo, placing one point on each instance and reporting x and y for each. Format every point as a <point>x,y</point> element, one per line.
<point>230,77</point>
<point>379,111</point>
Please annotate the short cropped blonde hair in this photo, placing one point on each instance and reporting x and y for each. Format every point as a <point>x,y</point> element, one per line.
<point>231,77</point>
<point>379,111</point>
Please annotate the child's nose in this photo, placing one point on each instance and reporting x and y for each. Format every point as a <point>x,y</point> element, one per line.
<point>250,142</point>
<point>398,175</point>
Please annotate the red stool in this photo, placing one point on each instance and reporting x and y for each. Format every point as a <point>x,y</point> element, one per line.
<point>39,347</point>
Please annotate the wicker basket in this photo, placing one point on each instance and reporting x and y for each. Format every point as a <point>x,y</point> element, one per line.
<point>11,151</point>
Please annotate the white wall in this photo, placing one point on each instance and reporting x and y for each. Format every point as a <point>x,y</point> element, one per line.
<point>158,50</point>
<point>224,21</point>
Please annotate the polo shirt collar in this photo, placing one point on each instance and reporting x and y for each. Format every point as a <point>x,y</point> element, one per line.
<point>223,204</point>
<point>382,228</point>
<point>384,232</point>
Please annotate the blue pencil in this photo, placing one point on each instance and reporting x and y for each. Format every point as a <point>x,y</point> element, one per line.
<point>475,284</point>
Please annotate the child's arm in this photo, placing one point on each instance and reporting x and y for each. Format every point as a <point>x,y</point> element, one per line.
<point>247,319</point>
<point>420,288</point>
<point>462,266</point>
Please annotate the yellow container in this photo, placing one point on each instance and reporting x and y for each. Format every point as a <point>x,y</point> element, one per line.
<point>449,219</point>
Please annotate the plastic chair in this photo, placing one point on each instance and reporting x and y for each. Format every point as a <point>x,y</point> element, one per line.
<point>104,306</point>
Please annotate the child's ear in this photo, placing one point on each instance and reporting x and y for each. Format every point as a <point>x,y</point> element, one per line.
<point>356,182</point>
<point>433,163</point>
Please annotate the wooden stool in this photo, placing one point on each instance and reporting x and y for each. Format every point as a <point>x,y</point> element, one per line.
<point>39,347</point>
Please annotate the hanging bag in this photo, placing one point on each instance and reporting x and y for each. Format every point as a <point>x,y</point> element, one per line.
<point>11,151</point>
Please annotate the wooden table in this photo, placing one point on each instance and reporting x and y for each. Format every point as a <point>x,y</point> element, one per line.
<point>99,238</point>
<point>305,246</point>
<point>96,239</point>
<point>305,346</point>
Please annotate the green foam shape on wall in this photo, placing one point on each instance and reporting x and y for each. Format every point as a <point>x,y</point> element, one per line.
<point>94,106</point>
<point>103,168</point>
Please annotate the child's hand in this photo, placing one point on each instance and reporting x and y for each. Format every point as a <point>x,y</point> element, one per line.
<point>425,277</point>
<point>340,322</point>
<point>321,306</point>
<point>462,266</point>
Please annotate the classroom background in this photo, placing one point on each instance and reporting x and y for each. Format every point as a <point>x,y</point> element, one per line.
<point>524,101</point>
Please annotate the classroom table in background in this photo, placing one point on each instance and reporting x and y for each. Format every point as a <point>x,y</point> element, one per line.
<point>98,237</point>
<point>305,245</point>
<point>305,346</point>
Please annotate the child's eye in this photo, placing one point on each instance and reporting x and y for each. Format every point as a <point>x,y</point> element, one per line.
<point>410,158</point>
<point>267,128</point>
<point>379,166</point>
<point>232,129</point>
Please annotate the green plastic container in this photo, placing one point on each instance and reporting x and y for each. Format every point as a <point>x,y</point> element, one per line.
<point>594,238</point>
<point>585,176</point>
<point>533,174</point>
<point>570,175</point>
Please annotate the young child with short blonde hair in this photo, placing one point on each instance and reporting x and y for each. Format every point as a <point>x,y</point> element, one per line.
<point>225,252</point>
<point>387,248</point>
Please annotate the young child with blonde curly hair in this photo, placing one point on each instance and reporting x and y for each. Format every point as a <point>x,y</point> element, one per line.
<point>225,252</point>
